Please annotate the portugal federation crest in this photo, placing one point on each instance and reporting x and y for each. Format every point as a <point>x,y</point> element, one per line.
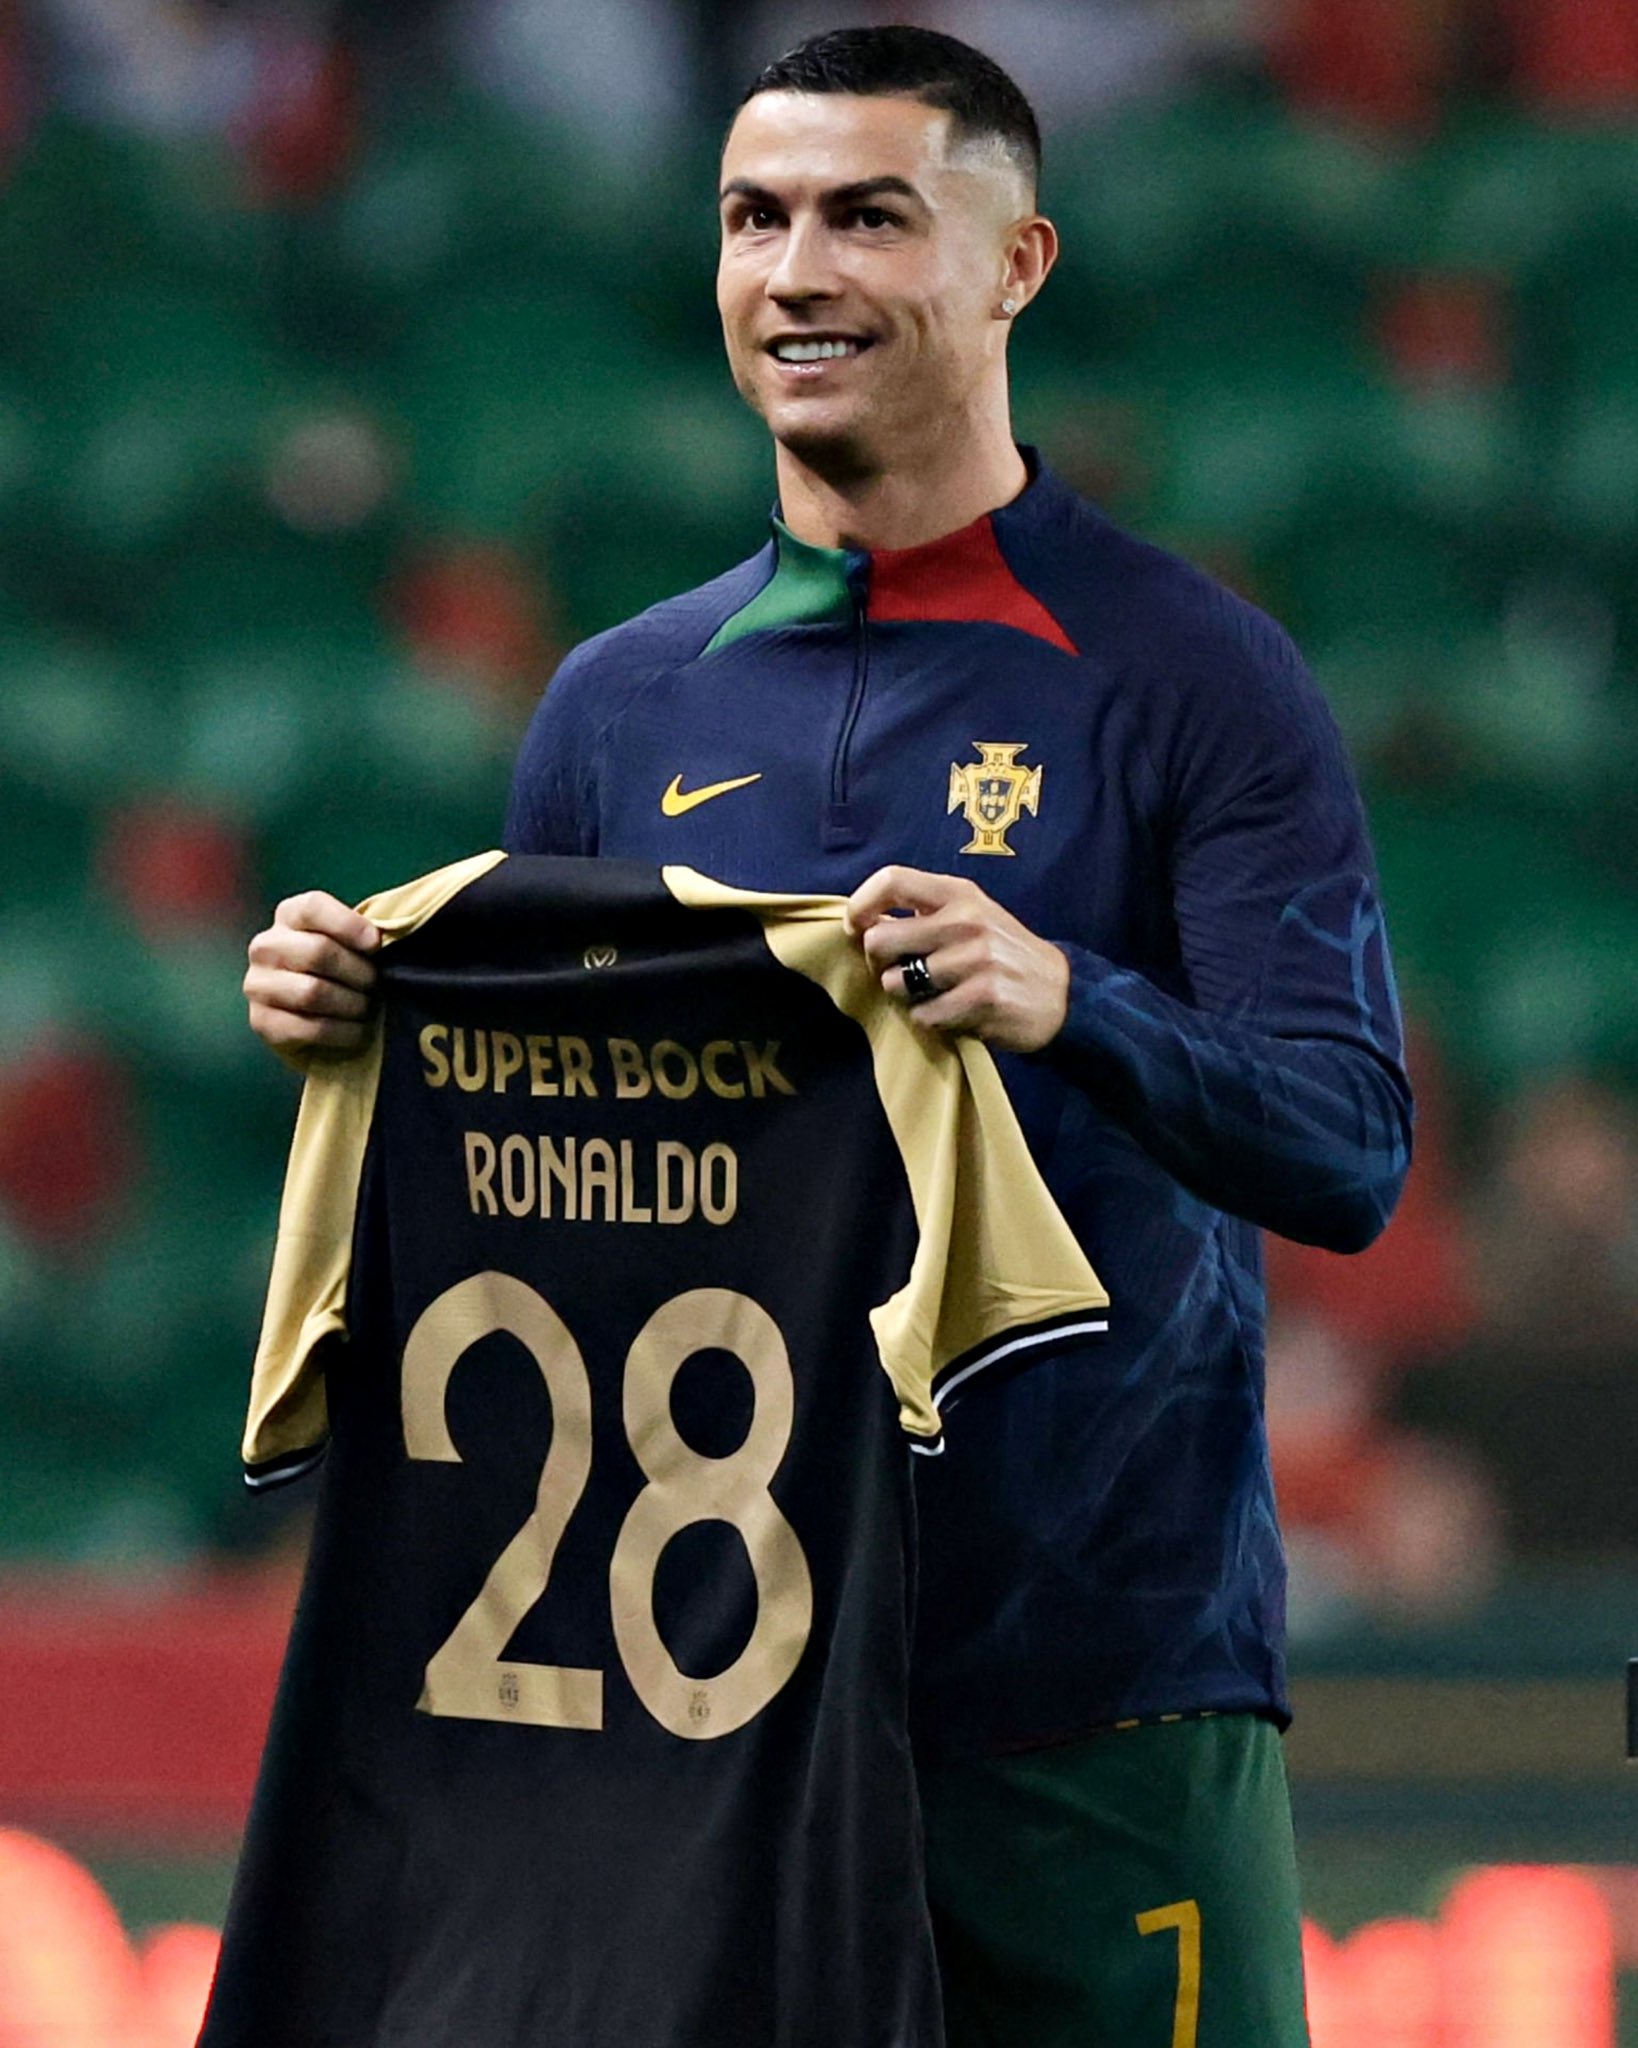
<point>993,792</point>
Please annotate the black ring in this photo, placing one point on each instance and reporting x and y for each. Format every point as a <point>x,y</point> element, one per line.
<point>919,985</point>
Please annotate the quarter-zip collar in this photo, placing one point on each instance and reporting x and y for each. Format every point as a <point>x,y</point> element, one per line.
<point>962,577</point>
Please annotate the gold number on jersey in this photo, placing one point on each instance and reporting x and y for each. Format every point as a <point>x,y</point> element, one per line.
<point>470,1676</point>
<point>685,1487</point>
<point>1185,1917</point>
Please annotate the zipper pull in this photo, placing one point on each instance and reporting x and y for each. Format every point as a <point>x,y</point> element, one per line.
<point>839,828</point>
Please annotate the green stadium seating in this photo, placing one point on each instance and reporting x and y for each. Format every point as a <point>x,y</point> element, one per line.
<point>39,964</point>
<point>1534,703</point>
<point>1143,195</point>
<point>1517,948</point>
<point>1504,196</point>
<point>513,396</point>
<point>156,401</point>
<point>81,1503</point>
<point>1557,992</point>
<point>1492,198</point>
<point>1335,193</point>
<point>1591,480</point>
<point>76,718</point>
<point>1456,453</point>
<point>1252,464</point>
<point>453,189</point>
<point>353,847</point>
<point>169,1003</point>
<point>121,1452</point>
<point>530,411</point>
<point>86,203</point>
<point>1577,320</point>
<point>21,457</point>
<point>1407,584</point>
<point>45,847</point>
<point>254,729</point>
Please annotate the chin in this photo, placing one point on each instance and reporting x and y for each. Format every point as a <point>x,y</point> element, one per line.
<point>826,436</point>
<point>839,452</point>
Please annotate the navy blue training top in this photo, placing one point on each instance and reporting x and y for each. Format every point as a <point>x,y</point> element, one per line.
<point>1135,762</point>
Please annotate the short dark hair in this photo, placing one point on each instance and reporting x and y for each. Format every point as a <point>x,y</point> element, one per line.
<point>920,64</point>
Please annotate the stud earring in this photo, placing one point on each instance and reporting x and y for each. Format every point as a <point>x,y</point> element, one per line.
<point>1009,305</point>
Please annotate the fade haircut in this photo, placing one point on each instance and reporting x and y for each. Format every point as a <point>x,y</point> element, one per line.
<point>983,103</point>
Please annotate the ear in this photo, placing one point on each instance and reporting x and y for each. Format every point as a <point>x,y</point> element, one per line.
<point>1031,251</point>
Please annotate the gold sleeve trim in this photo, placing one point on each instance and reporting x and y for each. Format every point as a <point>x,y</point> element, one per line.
<point>312,1256</point>
<point>405,909</point>
<point>698,892</point>
<point>994,1252</point>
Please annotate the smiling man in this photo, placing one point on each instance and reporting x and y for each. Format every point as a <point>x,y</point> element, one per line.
<point>1089,808</point>
<point>869,315</point>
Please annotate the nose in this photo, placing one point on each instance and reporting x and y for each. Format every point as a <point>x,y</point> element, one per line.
<point>803,272</point>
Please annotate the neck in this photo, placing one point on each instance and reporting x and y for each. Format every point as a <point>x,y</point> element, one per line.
<point>956,480</point>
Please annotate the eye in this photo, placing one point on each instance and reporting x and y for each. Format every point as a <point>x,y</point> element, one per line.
<point>761,218</point>
<point>875,217</point>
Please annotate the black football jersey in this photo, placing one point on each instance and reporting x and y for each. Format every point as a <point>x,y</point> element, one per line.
<point>613,1282</point>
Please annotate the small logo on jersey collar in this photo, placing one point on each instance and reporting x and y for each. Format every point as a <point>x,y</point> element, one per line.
<point>677,800</point>
<point>599,956</point>
<point>992,794</point>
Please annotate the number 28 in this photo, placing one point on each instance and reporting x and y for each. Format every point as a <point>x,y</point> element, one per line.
<point>469,1677</point>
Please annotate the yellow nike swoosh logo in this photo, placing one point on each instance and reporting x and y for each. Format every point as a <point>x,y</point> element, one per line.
<point>677,800</point>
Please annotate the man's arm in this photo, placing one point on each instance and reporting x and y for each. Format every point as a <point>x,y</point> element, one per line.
<point>1305,1136</point>
<point>1277,1092</point>
<point>552,808</point>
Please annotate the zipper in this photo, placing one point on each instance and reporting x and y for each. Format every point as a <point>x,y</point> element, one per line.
<point>841,829</point>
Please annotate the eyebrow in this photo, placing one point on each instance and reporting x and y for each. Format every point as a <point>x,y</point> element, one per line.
<point>857,194</point>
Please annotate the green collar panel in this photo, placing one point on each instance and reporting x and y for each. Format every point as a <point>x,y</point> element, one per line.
<point>809,587</point>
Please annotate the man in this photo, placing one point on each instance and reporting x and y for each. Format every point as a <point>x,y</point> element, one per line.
<point>1123,848</point>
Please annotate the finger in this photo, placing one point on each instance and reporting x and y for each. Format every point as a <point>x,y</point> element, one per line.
<point>895,938</point>
<point>959,967</point>
<point>894,986</point>
<point>317,911</point>
<point>951,1010</point>
<point>289,1034</point>
<point>308,952</point>
<point>303,995</point>
<point>338,962</point>
<point>950,965</point>
<point>898,888</point>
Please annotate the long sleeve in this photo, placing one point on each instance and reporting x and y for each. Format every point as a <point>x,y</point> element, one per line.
<point>552,807</point>
<point>1274,1086</point>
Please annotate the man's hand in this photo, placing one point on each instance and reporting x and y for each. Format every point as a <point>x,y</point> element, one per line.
<point>994,977</point>
<point>310,977</point>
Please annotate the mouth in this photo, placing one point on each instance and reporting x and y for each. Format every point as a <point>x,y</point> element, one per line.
<point>812,355</point>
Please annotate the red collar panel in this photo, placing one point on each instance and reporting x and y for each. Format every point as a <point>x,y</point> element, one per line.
<point>963,577</point>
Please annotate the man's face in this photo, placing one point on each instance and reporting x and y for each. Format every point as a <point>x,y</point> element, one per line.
<point>862,265</point>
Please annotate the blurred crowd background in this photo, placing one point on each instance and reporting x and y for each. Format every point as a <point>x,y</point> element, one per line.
<point>357,359</point>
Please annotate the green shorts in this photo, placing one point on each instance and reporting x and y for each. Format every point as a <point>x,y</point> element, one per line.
<point>1137,1889</point>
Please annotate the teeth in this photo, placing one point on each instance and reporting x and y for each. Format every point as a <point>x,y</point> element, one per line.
<point>813,351</point>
